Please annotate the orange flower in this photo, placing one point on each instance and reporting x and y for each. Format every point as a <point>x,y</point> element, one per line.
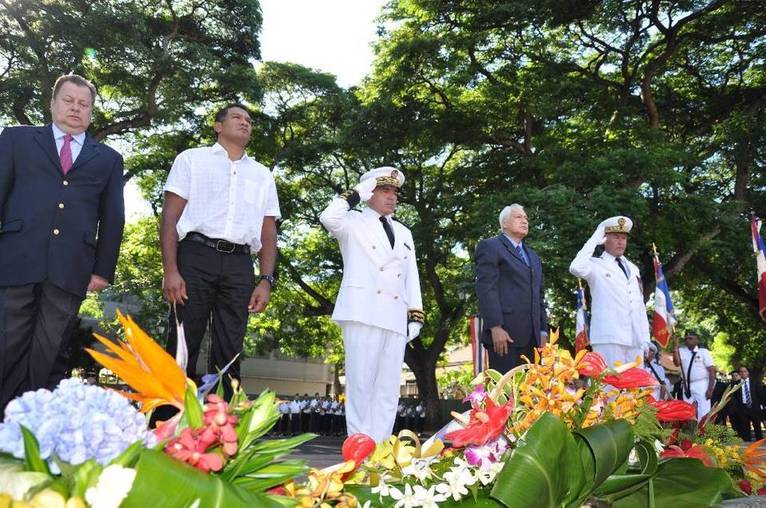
<point>144,366</point>
<point>755,459</point>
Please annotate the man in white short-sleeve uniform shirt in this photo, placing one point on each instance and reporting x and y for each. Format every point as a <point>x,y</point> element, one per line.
<point>220,208</point>
<point>698,372</point>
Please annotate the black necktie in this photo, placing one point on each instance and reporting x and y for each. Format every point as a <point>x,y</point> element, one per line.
<point>619,263</point>
<point>388,229</point>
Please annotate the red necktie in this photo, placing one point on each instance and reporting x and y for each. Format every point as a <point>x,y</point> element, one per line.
<point>66,154</point>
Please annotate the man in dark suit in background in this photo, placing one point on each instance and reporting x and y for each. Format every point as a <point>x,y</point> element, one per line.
<point>61,221</point>
<point>747,406</point>
<point>509,286</point>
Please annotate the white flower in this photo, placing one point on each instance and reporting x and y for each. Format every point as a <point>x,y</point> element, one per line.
<point>428,498</point>
<point>658,446</point>
<point>407,499</point>
<point>456,480</point>
<point>419,468</point>
<point>383,488</point>
<point>113,486</point>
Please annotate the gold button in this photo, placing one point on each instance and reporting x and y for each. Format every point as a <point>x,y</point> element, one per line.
<point>373,246</point>
<point>61,205</point>
<point>396,298</point>
<point>398,274</point>
<point>56,232</point>
<point>378,291</point>
<point>66,182</point>
<point>381,268</point>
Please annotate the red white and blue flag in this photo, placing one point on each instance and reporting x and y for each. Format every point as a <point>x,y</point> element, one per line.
<point>760,259</point>
<point>582,320</point>
<point>664,320</point>
<point>479,352</point>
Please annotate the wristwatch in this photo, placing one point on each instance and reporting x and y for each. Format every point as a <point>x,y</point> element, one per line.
<point>269,278</point>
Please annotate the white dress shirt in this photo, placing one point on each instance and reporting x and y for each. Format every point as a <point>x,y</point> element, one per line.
<point>702,360</point>
<point>226,199</point>
<point>75,144</point>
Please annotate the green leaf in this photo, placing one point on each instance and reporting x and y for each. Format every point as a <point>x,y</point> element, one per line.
<point>610,445</point>
<point>129,456</point>
<point>32,460</point>
<point>164,481</point>
<point>544,470</point>
<point>647,457</point>
<point>86,475</point>
<point>680,482</point>
<point>620,485</point>
<point>192,409</point>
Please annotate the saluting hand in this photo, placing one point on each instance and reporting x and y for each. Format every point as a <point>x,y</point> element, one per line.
<point>600,234</point>
<point>500,340</point>
<point>366,188</point>
<point>174,288</point>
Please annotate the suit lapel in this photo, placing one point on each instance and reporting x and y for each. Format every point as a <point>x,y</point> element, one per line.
<point>44,138</point>
<point>511,249</point>
<point>88,151</point>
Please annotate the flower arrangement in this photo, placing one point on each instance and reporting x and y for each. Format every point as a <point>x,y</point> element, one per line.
<point>558,431</point>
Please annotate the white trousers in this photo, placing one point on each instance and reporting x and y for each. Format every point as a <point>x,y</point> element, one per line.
<point>374,359</point>
<point>616,352</point>
<point>698,390</point>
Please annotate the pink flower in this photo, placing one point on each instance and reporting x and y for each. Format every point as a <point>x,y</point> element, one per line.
<point>484,425</point>
<point>218,419</point>
<point>477,396</point>
<point>191,447</point>
<point>484,456</point>
<point>591,365</point>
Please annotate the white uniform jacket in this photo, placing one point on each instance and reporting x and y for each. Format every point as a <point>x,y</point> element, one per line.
<point>618,311</point>
<point>380,284</point>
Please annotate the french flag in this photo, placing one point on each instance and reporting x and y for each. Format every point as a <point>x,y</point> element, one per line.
<point>760,259</point>
<point>582,320</point>
<point>479,353</point>
<point>664,321</point>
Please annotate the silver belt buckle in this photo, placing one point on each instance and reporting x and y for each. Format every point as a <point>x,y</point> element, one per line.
<point>219,249</point>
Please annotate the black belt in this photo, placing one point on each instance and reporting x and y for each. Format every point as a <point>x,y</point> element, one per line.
<point>220,245</point>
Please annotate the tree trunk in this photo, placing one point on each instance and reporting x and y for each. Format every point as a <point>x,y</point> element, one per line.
<point>424,368</point>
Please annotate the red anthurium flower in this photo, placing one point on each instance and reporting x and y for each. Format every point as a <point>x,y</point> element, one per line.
<point>591,365</point>
<point>218,419</point>
<point>694,452</point>
<point>190,447</point>
<point>484,425</point>
<point>674,410</point>
<point>631,378</point>
<point>357,447</point>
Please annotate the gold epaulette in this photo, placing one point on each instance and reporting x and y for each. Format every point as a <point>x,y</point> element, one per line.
<point>415,315</point>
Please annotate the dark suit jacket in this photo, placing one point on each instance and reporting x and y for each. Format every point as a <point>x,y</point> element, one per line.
<point>510,293</point>
<point>756,397</point>
<point>54,227</point>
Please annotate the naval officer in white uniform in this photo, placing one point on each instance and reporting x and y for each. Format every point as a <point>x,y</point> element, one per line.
<point>379,306</point>
<point>619,325</point>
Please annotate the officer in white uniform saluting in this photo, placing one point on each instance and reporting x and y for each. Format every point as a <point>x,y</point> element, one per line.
<point>379,307</point>
<point>619,326</point>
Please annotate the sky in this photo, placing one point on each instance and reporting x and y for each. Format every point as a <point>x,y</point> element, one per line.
<point>333,36</point>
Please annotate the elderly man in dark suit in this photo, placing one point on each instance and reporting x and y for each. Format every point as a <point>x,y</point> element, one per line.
<point>61,221</point>
<point>509,285</point>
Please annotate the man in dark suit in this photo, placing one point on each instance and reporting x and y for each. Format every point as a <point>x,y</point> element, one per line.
<point>61,221</point>
<point>747,406</point>
<point>509,286</point>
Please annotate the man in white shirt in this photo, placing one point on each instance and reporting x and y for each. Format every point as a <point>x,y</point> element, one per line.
<point>379,305</point>
<point>619,325</point>
<point>220,208</point>
<point>698,372</point>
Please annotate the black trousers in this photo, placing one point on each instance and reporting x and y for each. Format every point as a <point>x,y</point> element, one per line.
<point>749,419</point>
<point>36,321</point>
<point>219,287</point>
<point>503,364</point>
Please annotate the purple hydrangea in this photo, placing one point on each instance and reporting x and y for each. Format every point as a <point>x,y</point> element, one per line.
<point>75,422</point>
